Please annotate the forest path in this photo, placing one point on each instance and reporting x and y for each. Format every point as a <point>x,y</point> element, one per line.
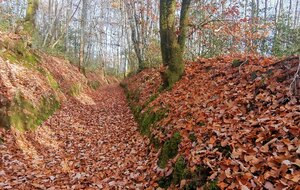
<point>81,146</point>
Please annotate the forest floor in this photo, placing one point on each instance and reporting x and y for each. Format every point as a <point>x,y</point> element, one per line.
<point>94,146</point>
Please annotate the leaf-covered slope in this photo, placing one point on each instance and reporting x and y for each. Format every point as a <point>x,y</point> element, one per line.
<point>29,93</point>
<point>33,84</point>
<point>238,118</point>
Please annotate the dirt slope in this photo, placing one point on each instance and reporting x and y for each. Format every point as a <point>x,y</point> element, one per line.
<point>237,123</point>
<point>34,84</point>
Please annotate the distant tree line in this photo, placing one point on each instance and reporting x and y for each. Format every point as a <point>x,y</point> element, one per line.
<point>121,36</point>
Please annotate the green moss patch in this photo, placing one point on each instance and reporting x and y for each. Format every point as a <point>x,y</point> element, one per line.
<point>196,179</point>
<point>24,116</point>
<point>199,177</point>
<point>193,137</point>
<point>7,56</point>
<point>155,142</point>
<point>226,150</point>
<point>236,63</point>
<point>179,173</point>
<point>19,52</point>
<point>52,82</point>
<point>148,119</point>
<point>151,99</point>
<point>180,170</point>
<point>165,182</point>
<point>169,150</point>
<point>26,58</point>
<point>75,89</point>
<point>94,84</point>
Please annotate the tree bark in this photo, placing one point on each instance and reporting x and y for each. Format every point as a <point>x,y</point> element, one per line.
<point>135,36</point>
<point>172,46</point>
<point>184,21</point>
<point>32,7</point>
<point>82,33</point>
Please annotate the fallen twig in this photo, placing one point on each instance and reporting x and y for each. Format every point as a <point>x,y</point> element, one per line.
<point>296,77</point>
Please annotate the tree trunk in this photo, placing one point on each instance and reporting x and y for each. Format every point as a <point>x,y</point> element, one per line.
<point>135,33</point>
<point>30,15</point>
<point>172,47</point>
<point>184,21</point>
<point>82,33</point>
<point>296,20</point>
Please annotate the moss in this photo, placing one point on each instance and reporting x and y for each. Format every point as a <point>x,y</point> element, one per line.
<point>20,54</point>
<point>151,99</point>
<point>169,150</point>
<point>135,95</point>
<point>4,25</point>
<point>136,111</point>
<point>75,89</point>
<point>24,116</point>
<point>226,150</point>
<point>198,178</point>
<point>270,73</point>
<point>48,107</point>
<point>31,59</point>
<point>7,56</point>
<point>175,69</point>
<point>212,185</point>
<point>52,82</point>
<point>148,119</point>
<point>180,170</point>
<point>236,63</point>
<point>160,89</point>
<point>94,84</point>
<point>200,124</point>
<point>179,173</point>
<point>19,48</point>
<point>31,12</point>
<point>193,137</point>
<point>155,141</point>
<point>165,182</point>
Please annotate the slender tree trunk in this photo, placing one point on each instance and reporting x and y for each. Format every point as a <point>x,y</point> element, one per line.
<point>82,33</point>
<point>135,34</point>
<point>68,15</point>
<point>296,19</point>
<point>263,43</point>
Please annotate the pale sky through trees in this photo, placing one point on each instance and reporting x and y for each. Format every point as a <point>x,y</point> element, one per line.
<point>117,33</point>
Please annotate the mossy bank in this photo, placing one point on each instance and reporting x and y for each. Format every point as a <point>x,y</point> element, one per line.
<point>167,148</point>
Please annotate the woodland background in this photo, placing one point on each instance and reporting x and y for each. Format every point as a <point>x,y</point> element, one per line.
<point>118,36</point>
